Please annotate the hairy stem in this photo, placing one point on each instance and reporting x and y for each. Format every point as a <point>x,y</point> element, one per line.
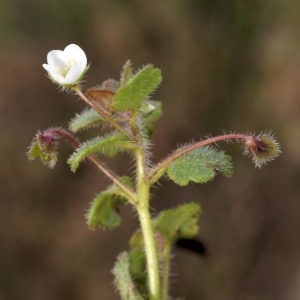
<point>166,270</point>
<point>159,169</point>
<point>130,195</point>
<point>102,114</point>
<point>146,226</point>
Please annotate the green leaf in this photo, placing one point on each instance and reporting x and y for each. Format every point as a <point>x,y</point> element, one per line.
<point>103,212</point>
<point>180,222</point>
<point>138,270</point>
<point>137,241</point>
<point>137,88</point>
<point>84,120</point>
<point>104,209</point>
<point>199,165</point>
<point>123,280</point>
<point>109,145</point>
<point>126,73</point>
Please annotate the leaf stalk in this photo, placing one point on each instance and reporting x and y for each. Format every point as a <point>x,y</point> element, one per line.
<point>130,194</point>
<point>159,169</point>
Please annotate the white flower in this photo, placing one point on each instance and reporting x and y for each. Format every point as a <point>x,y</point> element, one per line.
<point>66,67</point>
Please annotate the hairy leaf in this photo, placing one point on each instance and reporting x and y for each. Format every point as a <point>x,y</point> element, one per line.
<point>103,212</point>
<point>137,88</point>
<point>138,270</point>
<point>84,120</point>
<point>126,73</point>
<point>123,279</point>
<point>180,222</point>
<point>104,209</point>
<point>199,165</point>
<point>109,145</point>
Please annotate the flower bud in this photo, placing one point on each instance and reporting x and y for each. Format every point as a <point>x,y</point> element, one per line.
<point>44,146</point>
<point>46,142</point>
<point>262,148</point>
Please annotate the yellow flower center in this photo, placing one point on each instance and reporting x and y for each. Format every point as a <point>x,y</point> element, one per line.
<point>63,72</point>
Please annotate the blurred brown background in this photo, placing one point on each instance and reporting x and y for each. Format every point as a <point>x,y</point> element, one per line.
<point>227,65</point>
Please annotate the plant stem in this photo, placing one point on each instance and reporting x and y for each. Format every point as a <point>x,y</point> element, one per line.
<point>158,170</point>
<point>142,206</point>
<point>130,195</point>
<point>166,270</point>
<point>102,114</point>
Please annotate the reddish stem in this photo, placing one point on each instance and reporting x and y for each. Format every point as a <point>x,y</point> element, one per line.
<point>163,164</point>
<point>102,167</point>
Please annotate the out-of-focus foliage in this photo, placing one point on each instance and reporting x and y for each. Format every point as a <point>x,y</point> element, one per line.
<point>227,65</point>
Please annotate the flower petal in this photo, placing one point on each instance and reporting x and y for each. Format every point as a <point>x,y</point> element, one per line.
<point>76,53</point>
<point>54,75</point>
<point>75,73</point>
<point>58,59</point>
<point>49,68</point>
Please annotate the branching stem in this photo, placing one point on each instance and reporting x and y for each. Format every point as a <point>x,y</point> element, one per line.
<point>143,188</point>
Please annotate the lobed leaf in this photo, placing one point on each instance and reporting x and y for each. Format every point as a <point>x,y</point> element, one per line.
<point>179,223</point>
<point>109,145</point>
<point>84,120</point>
<point>199,165</point>
<point>123,279</point>
<point>137,88</point>
<point>104,209</point>
<point>103,212</point>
